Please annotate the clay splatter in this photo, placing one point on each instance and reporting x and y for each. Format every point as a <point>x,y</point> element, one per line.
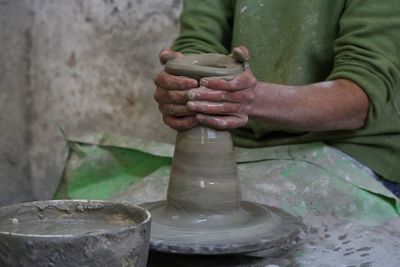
<point>364,249</point>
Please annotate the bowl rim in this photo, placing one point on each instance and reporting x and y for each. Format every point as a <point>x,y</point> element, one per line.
<point>147,219</point>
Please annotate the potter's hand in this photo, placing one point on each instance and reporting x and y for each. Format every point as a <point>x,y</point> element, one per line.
<point>171,95</point>
<point>225,102</point>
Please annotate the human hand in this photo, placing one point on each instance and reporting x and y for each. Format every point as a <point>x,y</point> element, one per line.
<point>224,102</point>
<point>171,95</point>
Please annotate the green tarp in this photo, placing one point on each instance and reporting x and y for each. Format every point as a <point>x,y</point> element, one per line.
<point>303,177</point>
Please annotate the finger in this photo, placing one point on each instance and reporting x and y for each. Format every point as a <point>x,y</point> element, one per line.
<point>239,82</point>
<point>168,54</point>
<point>163,96</point>
<point>205,94</point>
<point>214,108</point>
<point>172,82</point>
<point>241,54</point>
<point>176,110</point>
<point>222,122</point>
<point>180,124</point>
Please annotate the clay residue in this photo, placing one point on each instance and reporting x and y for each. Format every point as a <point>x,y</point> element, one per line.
<point>121,219</point>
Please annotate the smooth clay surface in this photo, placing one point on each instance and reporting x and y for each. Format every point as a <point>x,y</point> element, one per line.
<point>204,178</point>
<point>74,233</point>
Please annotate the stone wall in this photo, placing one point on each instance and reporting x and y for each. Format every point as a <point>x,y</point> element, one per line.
<point>89,67</point>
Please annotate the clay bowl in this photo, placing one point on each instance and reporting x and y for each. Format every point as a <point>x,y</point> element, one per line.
<point>74,233</point>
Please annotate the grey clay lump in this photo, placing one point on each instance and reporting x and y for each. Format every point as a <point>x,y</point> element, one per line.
<point>204,213</point>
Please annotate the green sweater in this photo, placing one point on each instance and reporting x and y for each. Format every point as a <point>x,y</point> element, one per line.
<point>299,42</point>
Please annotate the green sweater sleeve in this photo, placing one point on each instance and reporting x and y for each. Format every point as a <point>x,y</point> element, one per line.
<point>206,27</point>
<point>367,50</point>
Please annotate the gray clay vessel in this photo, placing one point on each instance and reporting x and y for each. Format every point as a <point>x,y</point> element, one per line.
<point>204,213</point>
<point>74,233</point>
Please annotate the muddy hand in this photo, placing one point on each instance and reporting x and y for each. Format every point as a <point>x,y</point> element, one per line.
<point>172,95</point>
<point>224,102</point>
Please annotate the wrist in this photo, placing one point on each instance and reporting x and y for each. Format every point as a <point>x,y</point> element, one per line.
<point>255,111</point>
<point>269,101</point>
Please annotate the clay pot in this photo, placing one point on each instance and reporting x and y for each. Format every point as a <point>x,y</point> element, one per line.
<point>204,180</point>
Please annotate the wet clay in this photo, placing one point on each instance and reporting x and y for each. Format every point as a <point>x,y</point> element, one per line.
<point>74,233</point>
<point>203,65</point>
<point>204,213</point>
<point>61,227</point>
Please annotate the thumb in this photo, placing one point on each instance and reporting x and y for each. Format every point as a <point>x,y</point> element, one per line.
<point>167,54</point>
<point>241,54</point>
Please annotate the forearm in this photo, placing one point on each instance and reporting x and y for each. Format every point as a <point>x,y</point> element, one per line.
<point>325,106</point>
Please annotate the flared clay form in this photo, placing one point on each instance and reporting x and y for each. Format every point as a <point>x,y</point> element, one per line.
<point>204,213</point>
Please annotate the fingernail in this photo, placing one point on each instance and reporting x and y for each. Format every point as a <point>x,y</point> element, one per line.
<point>203,82</point>
<point>222,124</point>
<point>229,77</point>
<point>201,117</point>
<point>192,95</point>
<point>191,105</point>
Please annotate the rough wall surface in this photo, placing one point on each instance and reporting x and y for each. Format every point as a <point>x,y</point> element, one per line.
<point>14,82</point>
<point>92,65</point>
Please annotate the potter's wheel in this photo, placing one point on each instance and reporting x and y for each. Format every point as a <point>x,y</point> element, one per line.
<point>204,213</point>
<point>260,228</point>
